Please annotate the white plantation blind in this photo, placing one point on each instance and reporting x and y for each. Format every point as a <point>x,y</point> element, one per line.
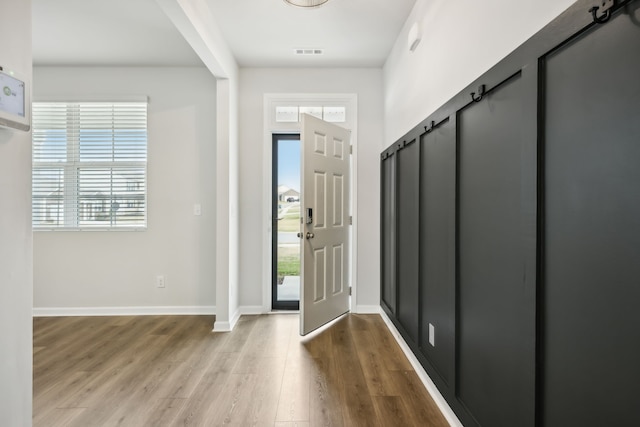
<point>89,164</point>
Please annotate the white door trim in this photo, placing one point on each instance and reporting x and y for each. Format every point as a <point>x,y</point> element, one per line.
<point>270,126</point>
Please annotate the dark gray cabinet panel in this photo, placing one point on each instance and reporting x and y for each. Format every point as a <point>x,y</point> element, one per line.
<point>495,339</point>
<point>437,246</point>
<point>407,227</point>
<point>591,323</point>
<point>388,246</point>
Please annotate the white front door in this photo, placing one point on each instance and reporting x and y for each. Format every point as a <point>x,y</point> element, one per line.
<point>325,199</point>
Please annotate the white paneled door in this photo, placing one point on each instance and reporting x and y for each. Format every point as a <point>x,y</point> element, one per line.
<point>325,150</point>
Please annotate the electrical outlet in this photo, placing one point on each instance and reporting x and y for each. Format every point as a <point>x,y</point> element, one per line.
<point>197,209</point>
<point>160,282</point>
<point>432,335</point>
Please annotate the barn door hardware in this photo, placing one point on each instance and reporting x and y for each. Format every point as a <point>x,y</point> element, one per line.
<point>605,8</point>
<point>404,143</point>
<point>429,128</point>
<point>482,89</point>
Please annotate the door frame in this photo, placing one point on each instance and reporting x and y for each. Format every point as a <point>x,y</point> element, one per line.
<point>275,304</point>
<point>270,127</point>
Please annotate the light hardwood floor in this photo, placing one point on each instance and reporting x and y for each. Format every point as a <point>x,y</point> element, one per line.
<point>173,371</point>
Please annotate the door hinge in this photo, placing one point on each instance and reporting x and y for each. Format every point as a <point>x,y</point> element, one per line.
<point>349,290</point>
<point>350,220</point>
<point>350,149</point>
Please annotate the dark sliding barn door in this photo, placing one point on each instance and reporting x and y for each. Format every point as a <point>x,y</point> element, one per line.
<point>388,233</point>
<point>408,175</point>
<point>496,279</point>
<point>591,323</point>
<point>437,246</point>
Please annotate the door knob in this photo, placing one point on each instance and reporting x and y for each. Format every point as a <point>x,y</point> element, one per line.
<point>309,235</point>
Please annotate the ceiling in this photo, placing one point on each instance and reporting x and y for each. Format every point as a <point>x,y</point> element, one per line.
<point>260,33</point>
<point>353,33</point>
<point>111,32</point>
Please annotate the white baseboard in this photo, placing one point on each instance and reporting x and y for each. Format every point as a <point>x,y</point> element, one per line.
<point>234,319</point>
<point>367,309</point>
<point>227,326</point>
<point>123,311</point>
<point>252,310</point>
<point>422,374</point>
<point>219,326</point>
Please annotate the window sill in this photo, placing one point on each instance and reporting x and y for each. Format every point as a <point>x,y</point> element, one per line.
<point>90,229</point>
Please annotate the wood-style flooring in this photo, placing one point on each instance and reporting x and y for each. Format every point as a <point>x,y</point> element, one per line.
<point>173,371</point>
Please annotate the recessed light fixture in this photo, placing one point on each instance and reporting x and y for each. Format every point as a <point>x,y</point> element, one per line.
<point>306,3</point>
<point>308,51</point>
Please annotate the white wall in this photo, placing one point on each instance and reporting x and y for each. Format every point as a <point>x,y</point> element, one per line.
<point>16,284</point>
<point>254,83</point>
<point>196,23</point>
<point>118,269</point>
<point>460,41</point>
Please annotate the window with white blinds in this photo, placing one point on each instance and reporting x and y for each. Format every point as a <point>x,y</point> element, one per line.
<point>89,165</point>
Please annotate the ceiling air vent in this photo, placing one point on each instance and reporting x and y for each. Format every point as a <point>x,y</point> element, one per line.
<point>308,52</point>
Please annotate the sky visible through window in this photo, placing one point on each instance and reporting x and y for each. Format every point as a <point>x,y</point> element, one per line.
<point>289,164</point>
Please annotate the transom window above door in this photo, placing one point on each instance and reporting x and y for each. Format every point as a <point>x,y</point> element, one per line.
<point>292,113</point>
